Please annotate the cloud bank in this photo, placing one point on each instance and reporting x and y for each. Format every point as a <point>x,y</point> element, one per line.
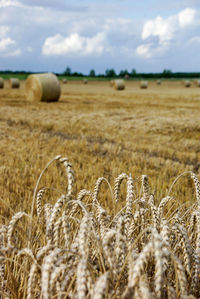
<point>7,44</point>
<point>74,44</point>
<point>160,33</point>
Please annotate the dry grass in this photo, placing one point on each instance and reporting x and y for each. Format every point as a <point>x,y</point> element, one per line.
<point>153,132</point>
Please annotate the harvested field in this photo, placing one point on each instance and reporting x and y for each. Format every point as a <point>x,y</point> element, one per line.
<point>103,132</point>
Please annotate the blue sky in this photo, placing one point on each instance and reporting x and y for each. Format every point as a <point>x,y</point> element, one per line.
<point>149,36</point>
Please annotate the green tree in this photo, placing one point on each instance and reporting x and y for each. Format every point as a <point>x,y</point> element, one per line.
<point>92,73</point>
<point>67,72</point>
<point>166,73</point>
<point>123,73</point>
<point>133,72</point>
<point>110,73</point>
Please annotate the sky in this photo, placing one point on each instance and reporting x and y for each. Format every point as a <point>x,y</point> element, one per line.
<point>148,36</point>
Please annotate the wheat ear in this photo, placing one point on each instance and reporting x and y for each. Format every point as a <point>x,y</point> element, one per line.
<point>129,204</point>
<point>146,187</point>
<point>100,286</point>
<point>117,185</point>
<point>12,224</point>
<point>47,265</point>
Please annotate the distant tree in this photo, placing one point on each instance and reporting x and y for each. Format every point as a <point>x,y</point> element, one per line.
<point>133,72</point>
<point>67,72</point>
<point>123,73</point>
<point>110,73</point>
<point>92,73</point>
<point>166,73</point>
<point>77,74</point>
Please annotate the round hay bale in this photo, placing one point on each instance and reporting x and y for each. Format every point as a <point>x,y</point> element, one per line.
<point>14,83</point>
<point>158,82</point>
<point>64,81</point>
<point>1,83</point>
<point>43,87</point>
<point>187,83</point>
<point>143,84</point>
<point>197,82</point>
<point>111,83</point>
<point>85,81</point>
<point>119,84</point>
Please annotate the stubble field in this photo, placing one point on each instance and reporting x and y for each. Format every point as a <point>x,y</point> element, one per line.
<point>103,132</point>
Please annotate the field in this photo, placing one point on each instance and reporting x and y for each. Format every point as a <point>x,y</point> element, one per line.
<point>104,133</point>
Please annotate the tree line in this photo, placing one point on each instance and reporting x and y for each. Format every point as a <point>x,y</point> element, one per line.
<point>111,73</point>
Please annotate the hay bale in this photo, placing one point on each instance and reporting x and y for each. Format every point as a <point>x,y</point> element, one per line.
<point>187,83</point>
<point>119,84</point>
<point>158,82</point>
<point>43,87</point>
<point>14,83</point>
<point>111,83</point>
<point>85,81</point>
<point>64,81</point>
<point>143,84</point>
<point>1,83</point>
<point>197,82</point>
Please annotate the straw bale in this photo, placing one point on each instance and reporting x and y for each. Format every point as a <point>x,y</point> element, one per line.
<point>144,84</point>
<point>14,83</point>
<point>197,82</point>
<point>158,82</point>
<point>43,87</point>
<point>187,83</point>
<point>111,83</point>
<point>119,84</point>
<point>1,83</point>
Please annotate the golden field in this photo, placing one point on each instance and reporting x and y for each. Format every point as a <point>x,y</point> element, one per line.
<point>103,132</point>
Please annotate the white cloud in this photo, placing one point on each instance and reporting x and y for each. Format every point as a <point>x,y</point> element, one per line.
<point>164,29</point>
<point>7,48</point>
<point>144,50</point>
<point>95,44</point>
<point>7,44</point>
<point>7,3</point>
<point>186,17</point>
<point>149,51</point>
<point>159,33</point>
<point>74,43</point>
